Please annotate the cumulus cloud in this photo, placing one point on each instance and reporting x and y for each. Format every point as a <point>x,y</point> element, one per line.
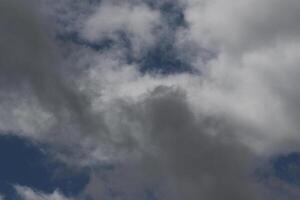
<point>234,26</point>
<point>255,62</point>
<point>138,21</point>
<point>184,136</point>
<point>27,193</point>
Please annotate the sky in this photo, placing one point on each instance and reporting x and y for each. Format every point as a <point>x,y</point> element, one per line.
<point>149,100</point>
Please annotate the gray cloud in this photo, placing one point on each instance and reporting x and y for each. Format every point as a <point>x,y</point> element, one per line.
<point>183,136</point>
<point>203,166</point>
<point>184,159</point>
<point>30,59</point>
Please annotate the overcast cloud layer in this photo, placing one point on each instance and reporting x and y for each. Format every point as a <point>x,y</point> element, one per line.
<point>71,78</point>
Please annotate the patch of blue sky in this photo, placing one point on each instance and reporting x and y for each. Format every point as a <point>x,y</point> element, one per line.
<point>281,175</point>
<point>287,168</point>
<point>283,167</point>
<point>27,164</point>
<point>163,58</point>
<point>74,38</point>
<point>171,11</point>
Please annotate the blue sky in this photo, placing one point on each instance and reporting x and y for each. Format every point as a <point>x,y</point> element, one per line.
<point>25,163</point>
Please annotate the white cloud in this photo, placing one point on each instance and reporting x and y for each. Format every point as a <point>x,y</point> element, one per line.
<point>27,193</point>
<point>137,20</point>
<point>253,76</point>
<point>243,25</point>
<point>22,114</point>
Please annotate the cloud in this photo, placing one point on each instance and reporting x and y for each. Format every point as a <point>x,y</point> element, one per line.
<point>233,26</point>
<point>188,136</point>
<point>252,72</point>
<point>180,154</point>
<point>137,21</point>
<point>27,193</point>
<point>32,73</point>
<point>248,89</point>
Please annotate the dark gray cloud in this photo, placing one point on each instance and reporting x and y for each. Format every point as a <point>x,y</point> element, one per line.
<point>30,60</point>
<point>203,166</point>
<point>183,158</point>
